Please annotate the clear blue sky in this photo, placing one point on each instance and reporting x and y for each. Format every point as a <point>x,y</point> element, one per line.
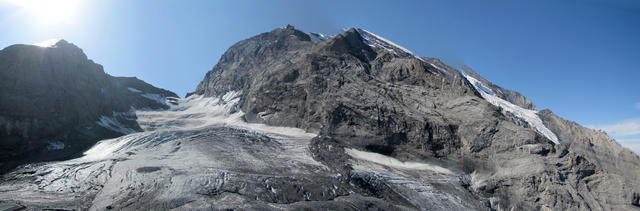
<point>580,58</point>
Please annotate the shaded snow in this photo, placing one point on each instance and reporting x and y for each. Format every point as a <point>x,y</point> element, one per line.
<point>530,116</point>
<point>318,37</point>
<point>134,90</point>
<point>112,123</point>
<point>394,163</point>
<point>55,145</point>
<point>155,97</point>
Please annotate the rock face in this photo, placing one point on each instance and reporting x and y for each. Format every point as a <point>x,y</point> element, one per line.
<point>53,98</point>
<point>361,91</point>
<point>284,121</point>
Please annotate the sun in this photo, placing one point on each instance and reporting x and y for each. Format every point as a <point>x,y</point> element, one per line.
<point>48,11</point>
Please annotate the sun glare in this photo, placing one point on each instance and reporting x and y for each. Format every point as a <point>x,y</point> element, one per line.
<point>48,11</point>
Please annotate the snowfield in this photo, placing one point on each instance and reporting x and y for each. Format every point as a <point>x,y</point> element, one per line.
<point>530,116</point>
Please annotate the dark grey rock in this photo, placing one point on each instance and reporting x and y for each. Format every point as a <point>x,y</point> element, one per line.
<point>56,95</point>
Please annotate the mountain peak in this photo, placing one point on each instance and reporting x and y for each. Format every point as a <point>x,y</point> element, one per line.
<point>52,43</point>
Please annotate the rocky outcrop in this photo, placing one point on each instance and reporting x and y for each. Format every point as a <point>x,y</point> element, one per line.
<point>622,166</point>
<point>52,100</point>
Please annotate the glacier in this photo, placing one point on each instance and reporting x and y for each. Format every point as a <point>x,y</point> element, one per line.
<point>530,116</point>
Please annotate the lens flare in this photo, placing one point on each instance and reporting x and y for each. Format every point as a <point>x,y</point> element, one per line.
<point>48,11</point>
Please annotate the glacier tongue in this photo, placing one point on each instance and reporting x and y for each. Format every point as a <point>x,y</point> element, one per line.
<point>530,116</point>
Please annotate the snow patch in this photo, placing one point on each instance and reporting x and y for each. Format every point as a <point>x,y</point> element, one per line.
<point>438,68</point>
<point>392,162</point>
<point>112,123</point>
<point>134,90</point>
<point>530,116</point>
<point>376,40</point>
<point>317,37</point>
<point>155,97</point>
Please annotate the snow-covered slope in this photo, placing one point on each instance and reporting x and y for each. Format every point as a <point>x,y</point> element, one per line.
<point>201,152</point>
<point>378,41</point>
<point>318,37</point>
<point>530,116</point>
<point>199,145</point>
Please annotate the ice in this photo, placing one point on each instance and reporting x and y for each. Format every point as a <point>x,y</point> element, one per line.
<point>394,163</point>
<point>530,116</point>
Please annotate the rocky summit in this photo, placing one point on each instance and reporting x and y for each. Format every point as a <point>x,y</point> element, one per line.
<point>294,120</point>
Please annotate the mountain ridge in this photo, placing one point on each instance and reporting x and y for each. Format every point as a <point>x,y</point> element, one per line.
<point>285,120</point>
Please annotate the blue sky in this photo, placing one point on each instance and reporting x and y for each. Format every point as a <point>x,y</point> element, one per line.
<point>581,58</point>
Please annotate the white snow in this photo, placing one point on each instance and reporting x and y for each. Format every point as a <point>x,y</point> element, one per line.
<point>392,162</point>
<point>47,43</point>
<point>197,112</point>
<point>530,116</point>
<point>388,43</point>
<point>193,113</point>
<point>375,40</point>
<point>106,148</point>
<point>134,90</point>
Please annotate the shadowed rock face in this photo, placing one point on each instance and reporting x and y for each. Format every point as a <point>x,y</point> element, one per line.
<point>52,97</point>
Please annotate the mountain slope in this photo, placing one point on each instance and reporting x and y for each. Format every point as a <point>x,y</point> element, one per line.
<point>286,120</point>
<point>362,91</point>
<point>55,102</point>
